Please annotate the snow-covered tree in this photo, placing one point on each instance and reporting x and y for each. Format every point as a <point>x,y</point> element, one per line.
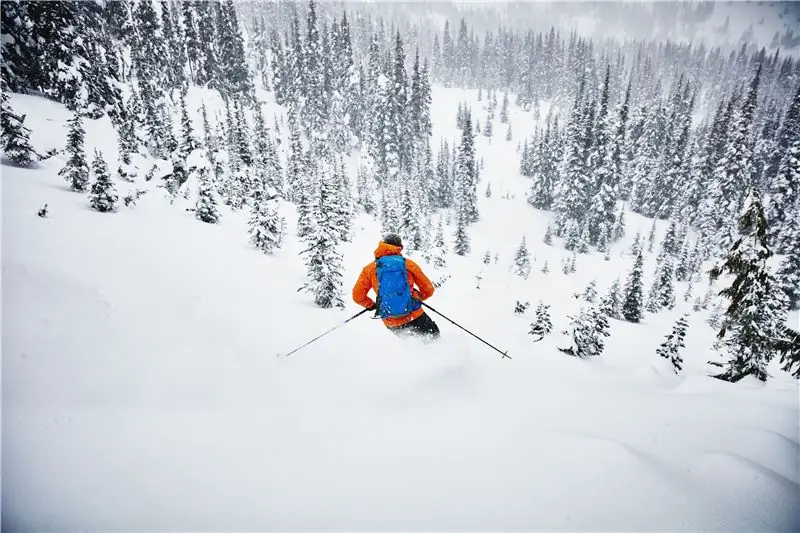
<point>440,247</point>
<point>610,304</point>
<point>323,258</point>
<point>76,170</point>
<point>789,272</point>
<point>522,260</point>
<point>670,348</point>
<point>587,332</point>
<point>15,136</point>
<point>462,244</point>
<point>633,297</point>
<point>757,306</point>
<point>542,325</point>
<point>205,209</point>
<point>590,292</point>
<point>103,195</point>
<point>265,226</point>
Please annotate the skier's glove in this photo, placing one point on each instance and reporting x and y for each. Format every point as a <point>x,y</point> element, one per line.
<point>372,307</point>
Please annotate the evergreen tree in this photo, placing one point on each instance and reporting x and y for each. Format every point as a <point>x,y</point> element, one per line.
<point>504,109</point>
<point>610,304</point>
<point>651,238</point>
<point>465,176</point>
<point>508,132</point>
<point>440,247</point>
<point>542,325</point>
<point>633,298</point>
<point>789,271</point>
<point>103,195</point>
<point>684,269</point>
<point>688,294</point>
<point>587,332</point>
<point>15,136</point>
<point>522,262</point>
<point>76,170</point>
<point>462,244</point>
<point>548,234</point>
<point>206,206</point>
<point>488,130</point>
<point>323,258</point>
<point>545,268</point>
<point>785,192</point>
<point>619,226</point>
<point>757,310</point>
<point>590,293</point>
<point>662,292</point>
<point>733,172</point>
<point>670,348</point>
<point>265,223</point>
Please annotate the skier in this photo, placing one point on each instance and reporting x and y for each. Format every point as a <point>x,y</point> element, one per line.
<point>393,277</point>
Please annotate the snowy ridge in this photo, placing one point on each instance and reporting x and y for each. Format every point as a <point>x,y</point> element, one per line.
<point>142,390</point>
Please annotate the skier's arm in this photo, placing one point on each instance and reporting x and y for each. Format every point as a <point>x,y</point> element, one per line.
<point>361,289</point>
<point>421,280</point>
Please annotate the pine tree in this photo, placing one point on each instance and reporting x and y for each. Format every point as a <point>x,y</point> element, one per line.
<point>785,191</point>
<point>488,190</point>
<point>670,348</point>
<point>206,206</point>
<point>587,332</point>
<point>619,226</point>
<point>103,196</point>
<point>504,109</point>
<point>462,244</point>
<point>522,262</point>
<point>757,310</point>
<point>610,303</point>
<point>265,223</point>
<point>323,258</point>
<point>662,293</point>
<point>651,238</point>
<point>789,271</point>
<point>487,257</point>
<point>590,293</point>
<point>545,268</point>
<point>633,297</point>
<point>688,294</point>
<point>76,170</point>
<point>15,136</point>
<point>509,134</point>
<point>542,325</point>
<point>440,246</point>
<point>466,201</point>
<point>548,234</point>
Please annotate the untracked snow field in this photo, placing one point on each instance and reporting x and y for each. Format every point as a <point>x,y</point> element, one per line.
<point>141,387</point>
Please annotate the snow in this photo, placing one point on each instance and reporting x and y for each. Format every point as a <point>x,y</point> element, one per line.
<point>141,387</point>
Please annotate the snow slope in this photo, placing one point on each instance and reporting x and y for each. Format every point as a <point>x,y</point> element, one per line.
<point>141,387</point>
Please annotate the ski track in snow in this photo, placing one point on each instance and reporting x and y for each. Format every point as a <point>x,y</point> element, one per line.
<point>141,388</point>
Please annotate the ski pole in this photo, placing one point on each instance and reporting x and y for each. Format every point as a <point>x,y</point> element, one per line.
<point>325,333</point>
<point>504,354</point>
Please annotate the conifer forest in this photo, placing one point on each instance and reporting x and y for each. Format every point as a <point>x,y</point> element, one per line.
<point>657,153</point>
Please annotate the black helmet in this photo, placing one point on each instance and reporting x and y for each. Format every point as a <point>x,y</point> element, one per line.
<point>393,239</point>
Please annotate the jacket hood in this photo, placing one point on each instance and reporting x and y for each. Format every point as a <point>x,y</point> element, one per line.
<point>387,249</point>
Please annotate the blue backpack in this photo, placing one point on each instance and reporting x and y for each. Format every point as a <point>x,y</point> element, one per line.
<point>394,292</point>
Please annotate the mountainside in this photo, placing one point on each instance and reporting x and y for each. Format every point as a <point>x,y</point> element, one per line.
<point>606,201</point>
<point>140,374</point>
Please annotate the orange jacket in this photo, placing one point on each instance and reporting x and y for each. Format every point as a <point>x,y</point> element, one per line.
<point>368,279</point>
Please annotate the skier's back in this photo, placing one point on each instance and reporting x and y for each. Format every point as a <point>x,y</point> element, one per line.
<point>393,278</point>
